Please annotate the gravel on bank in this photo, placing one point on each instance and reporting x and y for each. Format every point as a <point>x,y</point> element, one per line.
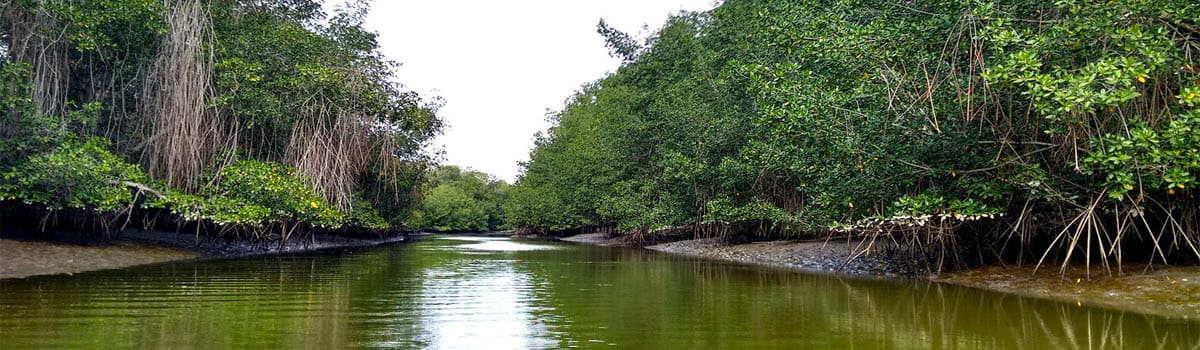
<point>829,257</point>
<point>597,239</point>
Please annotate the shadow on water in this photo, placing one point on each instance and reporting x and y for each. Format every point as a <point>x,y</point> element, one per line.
<point>497,294</point>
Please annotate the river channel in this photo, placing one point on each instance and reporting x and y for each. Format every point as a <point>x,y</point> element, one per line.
<point>444,292</point>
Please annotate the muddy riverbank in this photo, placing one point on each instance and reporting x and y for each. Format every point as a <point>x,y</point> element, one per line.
<point>818,256</point>
<point>20,258</point>
<point>26,254</point>
<point>1164,291</point>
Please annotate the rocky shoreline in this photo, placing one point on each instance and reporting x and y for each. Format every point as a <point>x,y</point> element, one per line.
<point>35,254</point>
<point>1172,292</point>
<point>831,257</point>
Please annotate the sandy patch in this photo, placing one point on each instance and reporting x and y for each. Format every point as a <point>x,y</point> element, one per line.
<point>20,259</point>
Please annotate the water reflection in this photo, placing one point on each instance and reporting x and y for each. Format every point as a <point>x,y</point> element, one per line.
<point>497,244</point>
<point>656,301</point>
<point>441,293</point>
<point>479,302</point>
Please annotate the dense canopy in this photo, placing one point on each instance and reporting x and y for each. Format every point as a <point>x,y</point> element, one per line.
<point>1068,125</point>
<point>249,116</point>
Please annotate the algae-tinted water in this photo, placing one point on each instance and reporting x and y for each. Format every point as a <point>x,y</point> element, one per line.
<point>486,293</point>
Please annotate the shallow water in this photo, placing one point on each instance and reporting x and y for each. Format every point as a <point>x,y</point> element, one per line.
<point>488,293</point>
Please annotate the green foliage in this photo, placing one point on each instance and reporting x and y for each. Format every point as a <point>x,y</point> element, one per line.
<point>320,74</point>
<point>537,207</point>
<point>1113,78</point>
<point>44,162</point>
<point>107,24</point>
<point>459,200</point>
<point>448,208</point>
<point>23,130</point>
<point>282,70</point>
<point>256,193</point>
<point>641,149</point>
<point>14,88</point>
<point>1162,159</point>
<point>365,215</point>
<point>335,62</point>
<point>776,111</point>
<point>1095,57</point>
<point>830,118</point>
<point>931,203</point>
<point>78,175</point>
<point>811,114</point>
<point>725,210</point>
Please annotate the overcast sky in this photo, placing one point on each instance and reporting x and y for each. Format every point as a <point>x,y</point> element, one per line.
<point>500,65</point>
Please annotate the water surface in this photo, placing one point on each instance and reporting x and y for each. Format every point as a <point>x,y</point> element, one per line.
<point>495,293</point>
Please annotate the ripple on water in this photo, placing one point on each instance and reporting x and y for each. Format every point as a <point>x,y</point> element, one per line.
<point>439,293</point>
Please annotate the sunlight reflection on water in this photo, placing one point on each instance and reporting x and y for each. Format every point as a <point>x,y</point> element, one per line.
<point>480,305</point>
<point>439,293</point>
<point>472,238</point>
<point>497,244</point>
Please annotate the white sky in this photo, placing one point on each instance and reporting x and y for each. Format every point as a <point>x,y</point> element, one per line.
<point>500,65</point>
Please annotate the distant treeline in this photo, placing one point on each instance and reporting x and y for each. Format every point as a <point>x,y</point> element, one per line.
<point>457,200</point>
<point>254,118</point>
<point>1069,127</point>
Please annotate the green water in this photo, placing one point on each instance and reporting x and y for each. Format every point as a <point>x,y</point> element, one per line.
<point>500,294</point>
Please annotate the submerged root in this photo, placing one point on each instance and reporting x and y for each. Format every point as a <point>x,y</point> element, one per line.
<point>1159,232</point>
<point>930,239</point>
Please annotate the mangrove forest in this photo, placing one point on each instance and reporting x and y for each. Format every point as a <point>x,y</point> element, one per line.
<point>957,131</point>
<point>255,120</point>
<point>750,174</point>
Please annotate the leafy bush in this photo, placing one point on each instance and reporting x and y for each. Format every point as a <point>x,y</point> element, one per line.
<point>1165,158</point>
<point>80,175</point>
<point>461,200</point>
<point>929,203</point>
<point>366,216</point>
<point>256,193</point>
<point>815,113</point>
<point>449,208</point>
<point>23,131</point>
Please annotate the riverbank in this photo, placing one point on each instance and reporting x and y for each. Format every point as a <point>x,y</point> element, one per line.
<point>33,258</point>
<point>1164,291</point>
<point>27,255</point>
<point>818,256</point>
